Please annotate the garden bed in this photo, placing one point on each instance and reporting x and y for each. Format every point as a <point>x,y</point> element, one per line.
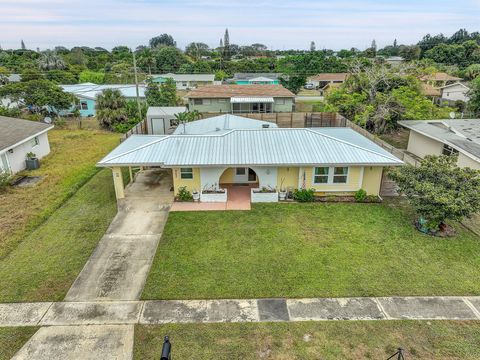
<point>214,195</point>
<point>266,195</point>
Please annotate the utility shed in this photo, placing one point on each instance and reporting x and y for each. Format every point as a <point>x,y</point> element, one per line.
<point>161,119</point>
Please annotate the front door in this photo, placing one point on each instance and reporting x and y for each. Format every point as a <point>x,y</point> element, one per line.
<point>241,175</point>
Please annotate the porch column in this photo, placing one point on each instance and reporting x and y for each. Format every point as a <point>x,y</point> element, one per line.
<point>118,182</point>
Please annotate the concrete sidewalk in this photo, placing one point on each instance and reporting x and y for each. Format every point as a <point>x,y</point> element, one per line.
<point>244,310</point>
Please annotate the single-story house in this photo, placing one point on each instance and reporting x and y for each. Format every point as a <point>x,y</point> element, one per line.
<point>162,120</point>
<point>394,60</point>
<point>455,92</point>
<point>439,79</point>
<point>256,79</point>
<point>332,161</point>
<point>324,79</point>
<point>86,94</point>
<point>19,137</point>
<point>185,81</point>
<point>241,99</point>
<point>447,137</point>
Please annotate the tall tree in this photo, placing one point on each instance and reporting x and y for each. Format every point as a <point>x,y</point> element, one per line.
<point>110,107</point>
<point>474,96</point>
<point>161,41</point>
<point>226,45</point>
<point>312,46</point>
<point>22,45</point>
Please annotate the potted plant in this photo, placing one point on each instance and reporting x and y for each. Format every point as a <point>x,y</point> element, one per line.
<point>196,195</point>
<point>32,161</point>
<point>282,194</point>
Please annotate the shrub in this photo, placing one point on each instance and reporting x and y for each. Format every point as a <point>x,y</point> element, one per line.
<point>304,195</point>
<point>360,195</point>
<point>184,194</point>
<point>4,180</point>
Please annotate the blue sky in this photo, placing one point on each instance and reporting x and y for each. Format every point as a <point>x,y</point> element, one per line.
<point>279,24</point>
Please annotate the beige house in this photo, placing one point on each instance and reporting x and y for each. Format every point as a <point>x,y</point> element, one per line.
<point>217,157</point>
<point>447,137</point>
<point>241,99</point>
<point>439,79</point>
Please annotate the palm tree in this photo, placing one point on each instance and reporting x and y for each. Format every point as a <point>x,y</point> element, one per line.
<point>50,60</point>
<point>147,60</point>
<point>110,107</point>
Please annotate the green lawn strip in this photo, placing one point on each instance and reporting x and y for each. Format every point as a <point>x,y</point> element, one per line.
<point>13,338</point>
<point>312,340</point>
<point>45,264</point>
<point>309,250</point>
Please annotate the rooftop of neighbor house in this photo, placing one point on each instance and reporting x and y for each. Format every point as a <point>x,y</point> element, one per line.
<point>440,76</point>
<point>463,135</point>
<point>329,77</point>
<point>262,147</point>
<point>221,124</point>
<point>165,110</point>
<point>228,91</point>
<point>90,90</point>
<point>429,90</point>
<point>14,131</point>
<point>14,78</point>
<point>394,58</point>
<point>250,76</point>
<point>186,77</point>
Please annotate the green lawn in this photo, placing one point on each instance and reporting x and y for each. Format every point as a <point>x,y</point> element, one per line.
<point>45,264</point>
<point>312,340</point>
<point>309,250</point>
<point>12,339</point>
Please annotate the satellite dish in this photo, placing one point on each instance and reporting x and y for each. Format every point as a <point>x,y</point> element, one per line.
<point>47,120</point>
<point>452,115</point>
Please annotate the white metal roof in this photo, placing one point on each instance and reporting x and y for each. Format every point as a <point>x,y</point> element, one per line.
<point>262,147</point>
<point>90,90</point>
<point>221,124</point>
<point>256,99</point>
<point>261,78</point>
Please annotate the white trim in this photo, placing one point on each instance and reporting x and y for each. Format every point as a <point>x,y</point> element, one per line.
<point>360,181</point>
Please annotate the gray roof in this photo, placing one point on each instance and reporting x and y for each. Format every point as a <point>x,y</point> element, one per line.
<point>165,110</point>
<point>463,135</point>
<point>187,77</point>
<point>15,131</point>
<point>262,147</point>
<point>248,76</point>
<point>221,124</point>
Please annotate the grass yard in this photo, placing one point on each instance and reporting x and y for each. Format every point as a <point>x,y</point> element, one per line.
<point>13,338</point>
<point>70,164</point>
<point>312,340</point>
<point>397,138</point>
<point>309,250</point>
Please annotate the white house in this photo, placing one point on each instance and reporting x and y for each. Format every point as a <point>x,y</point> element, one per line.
<point>19,137</point>
<point>162,120</point>
<point>455,92</point>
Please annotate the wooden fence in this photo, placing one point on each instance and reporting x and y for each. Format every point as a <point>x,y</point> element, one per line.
<point>140,128</point>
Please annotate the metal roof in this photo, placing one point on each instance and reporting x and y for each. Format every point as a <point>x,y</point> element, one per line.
<point>262,147</point>
<point>186,77</point>
<point>221,124</point>
<point>14,131</point>
<point>90,90</point>
<point>261,78</point>
<point>463,135</point>
<point>165,110</point>
<point>253,99</point>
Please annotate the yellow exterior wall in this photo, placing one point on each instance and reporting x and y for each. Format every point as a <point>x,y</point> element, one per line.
<point>372,179</point>
<point>118,182</point>
<point>190,184</point>
<point>227,176</point>
<point>353,182</point>
<point>289,175</point>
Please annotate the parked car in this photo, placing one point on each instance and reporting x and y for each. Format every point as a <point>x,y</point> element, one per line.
<point>309,86</point>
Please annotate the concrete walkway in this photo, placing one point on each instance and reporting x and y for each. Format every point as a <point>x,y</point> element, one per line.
<point>117,270</point>
<point>115,313</point>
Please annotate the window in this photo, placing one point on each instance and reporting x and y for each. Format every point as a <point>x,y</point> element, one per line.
<point>240,171</point>
<point>198,101</point>
<point>321,175</point>
<point>448,150</point>
<point>206,101</point>
<point>186,173</point>
<point>184,83</point>
<point>83,105</point>
<point>340,175</point>
<point>35,141</point>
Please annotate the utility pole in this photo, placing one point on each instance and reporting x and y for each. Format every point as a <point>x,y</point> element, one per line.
<point>136,86</point>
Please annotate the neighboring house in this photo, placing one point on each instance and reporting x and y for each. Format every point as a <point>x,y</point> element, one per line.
<point>437,137</point>
<point>455,92</point>
<point>324,79</point>
<point>221,124</point>
<point>394,60</point>
<point>241,99</point>
<point>86,94</point>
<point>19,137</point>
<point>430,92</point>
<point>256,79</point>
<point>162,120</point>
<point>185,81</point>
<point>332,161</point>
<point>439,79</point>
